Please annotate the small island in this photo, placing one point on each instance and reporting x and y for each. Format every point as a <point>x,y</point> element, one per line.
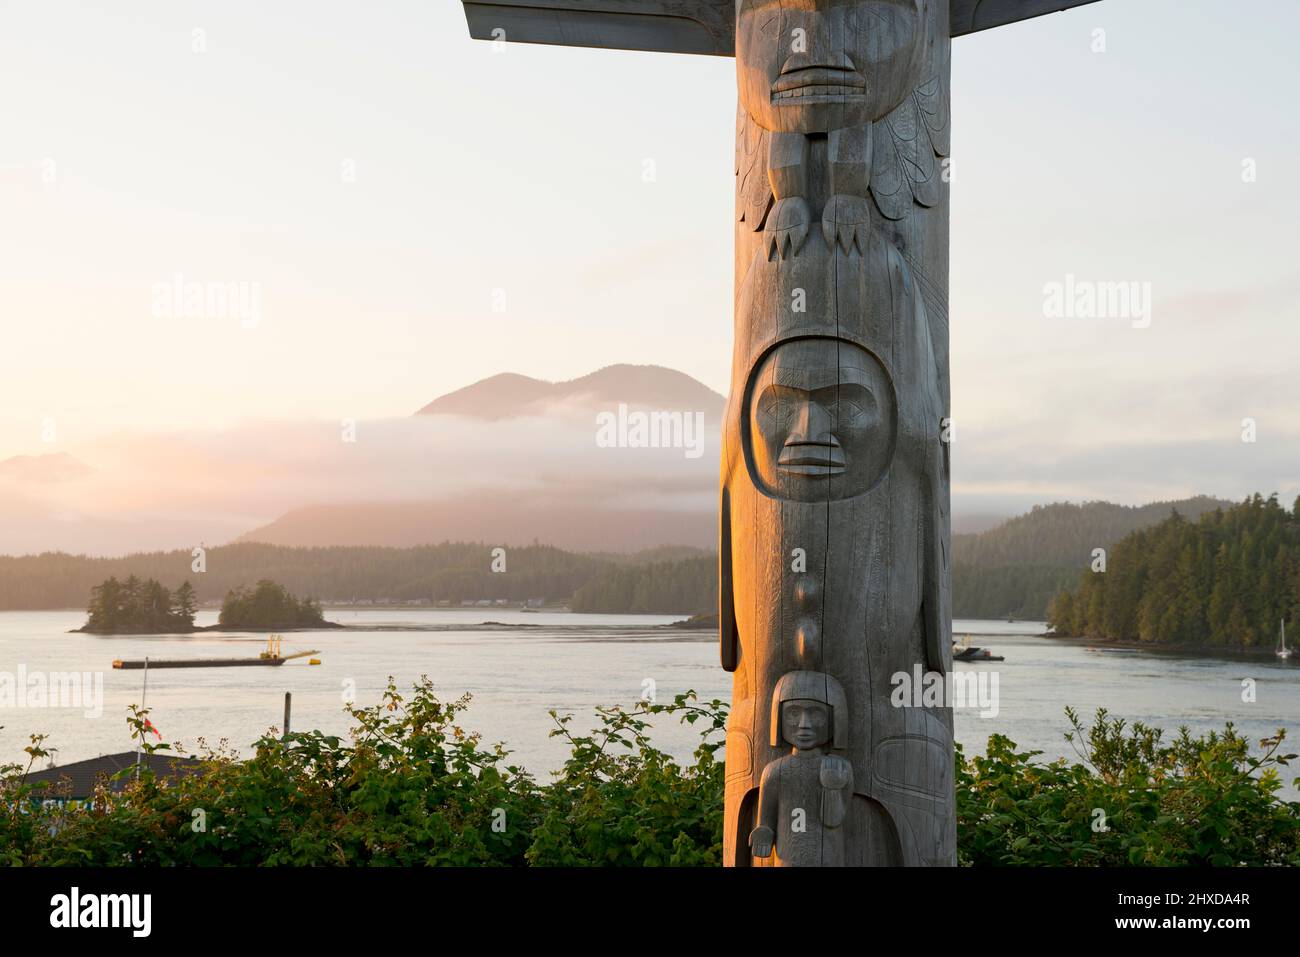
<point>146,607</point>
<point>269,606</point>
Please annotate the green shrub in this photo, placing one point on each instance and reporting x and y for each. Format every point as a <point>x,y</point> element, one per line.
<point>411,786</point>
<point>619,801</point>
<point>1131,800</point>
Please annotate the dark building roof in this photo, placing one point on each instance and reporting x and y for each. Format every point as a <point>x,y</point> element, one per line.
<point>83,774</point>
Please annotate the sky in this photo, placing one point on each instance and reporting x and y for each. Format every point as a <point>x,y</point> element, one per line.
<point>398,211</point>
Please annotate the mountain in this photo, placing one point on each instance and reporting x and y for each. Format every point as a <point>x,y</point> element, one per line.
<point>510,395</point>
<point>1016,568</point>
<point>581,497</point>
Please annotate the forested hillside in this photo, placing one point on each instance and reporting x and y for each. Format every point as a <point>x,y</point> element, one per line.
<point>686,585</point>
<point>1226,580</point>
<point>1016,568</point>
<point>450,571</point>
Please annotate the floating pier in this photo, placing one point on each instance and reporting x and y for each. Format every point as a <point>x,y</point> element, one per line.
<point>272,657</point>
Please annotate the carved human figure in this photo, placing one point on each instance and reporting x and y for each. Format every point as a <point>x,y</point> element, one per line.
<point>804,797</point>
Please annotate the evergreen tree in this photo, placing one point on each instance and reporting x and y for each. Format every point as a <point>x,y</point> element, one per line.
<point>1224,580</point>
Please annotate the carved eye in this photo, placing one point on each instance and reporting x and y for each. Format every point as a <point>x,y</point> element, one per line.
<point>767,406</point>
<point>863,17</point>
<point>858,413</point>
<point>775,411</point>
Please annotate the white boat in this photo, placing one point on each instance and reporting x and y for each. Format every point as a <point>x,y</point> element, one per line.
<point>1282,650</point>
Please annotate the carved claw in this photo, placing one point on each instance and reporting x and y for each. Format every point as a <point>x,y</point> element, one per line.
<point>847,220</point>
<point>760,841</point>
<point>787,227</point>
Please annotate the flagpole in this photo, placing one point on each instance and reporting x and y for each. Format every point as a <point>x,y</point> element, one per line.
<point>144,695</point>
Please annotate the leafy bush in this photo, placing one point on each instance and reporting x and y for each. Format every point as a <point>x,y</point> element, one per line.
<point>621,801</point>
<point>411,786</point>
<point>1132,800</point>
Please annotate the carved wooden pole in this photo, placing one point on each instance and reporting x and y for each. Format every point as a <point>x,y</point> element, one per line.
<point>834,505</point>
<point>834,606</point>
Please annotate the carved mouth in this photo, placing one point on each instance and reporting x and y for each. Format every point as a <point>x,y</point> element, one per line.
<point>811,458</point>
<point>818,84</point>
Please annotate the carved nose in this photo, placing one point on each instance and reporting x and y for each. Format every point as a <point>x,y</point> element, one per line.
<point>812,426</point>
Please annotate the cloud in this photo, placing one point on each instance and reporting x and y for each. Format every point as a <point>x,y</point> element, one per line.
<point>173,489</point>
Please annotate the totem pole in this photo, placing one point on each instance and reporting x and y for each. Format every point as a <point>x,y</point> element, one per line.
<point>834,530</point>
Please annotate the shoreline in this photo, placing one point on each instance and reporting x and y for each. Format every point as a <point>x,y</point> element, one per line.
<point>1191,651</point>
<point>198,629</point>
<point>489,626</point>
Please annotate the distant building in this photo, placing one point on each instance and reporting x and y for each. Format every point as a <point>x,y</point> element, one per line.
<point>81,777</point>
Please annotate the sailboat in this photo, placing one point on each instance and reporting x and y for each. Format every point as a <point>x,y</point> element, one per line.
<point>1282,650</point>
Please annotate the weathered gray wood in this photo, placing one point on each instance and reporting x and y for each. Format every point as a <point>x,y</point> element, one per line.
<point>683,26</point>
<point>839,570</point>
<point>665,26</point>
<point>971,16</point>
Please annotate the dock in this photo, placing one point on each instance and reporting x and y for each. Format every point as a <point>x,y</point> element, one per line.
<point>271,657</point>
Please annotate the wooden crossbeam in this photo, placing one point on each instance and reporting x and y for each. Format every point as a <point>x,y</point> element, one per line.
<point>682,26</point>
<point>972,16</point>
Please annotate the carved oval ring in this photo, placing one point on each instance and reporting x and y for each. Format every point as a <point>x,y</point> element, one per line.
<point>820,420</point>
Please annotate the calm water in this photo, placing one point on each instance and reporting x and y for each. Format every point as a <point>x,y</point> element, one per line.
<point>572,663</point>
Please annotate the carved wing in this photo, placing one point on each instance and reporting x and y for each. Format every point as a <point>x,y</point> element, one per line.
<point>908,148</point>
<point>753,191</point>
<point>906,161</point>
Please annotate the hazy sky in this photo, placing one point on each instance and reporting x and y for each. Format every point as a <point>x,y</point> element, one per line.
<point>375,178</point>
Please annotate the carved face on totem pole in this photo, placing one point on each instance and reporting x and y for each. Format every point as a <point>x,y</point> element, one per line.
<point>805,724</point>
<point>808,66</point>
<point>821,419</point>
<point>809,711</point>
<point>841,102</point>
